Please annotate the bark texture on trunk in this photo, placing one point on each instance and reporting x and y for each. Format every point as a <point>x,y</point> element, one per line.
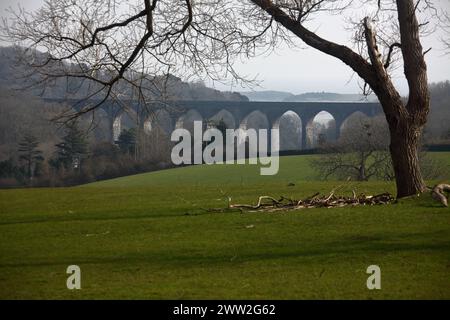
<point>406,121</point>
<point>404,149</point>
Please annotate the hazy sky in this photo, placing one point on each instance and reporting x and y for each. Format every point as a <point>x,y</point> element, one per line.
<point>304,70</point>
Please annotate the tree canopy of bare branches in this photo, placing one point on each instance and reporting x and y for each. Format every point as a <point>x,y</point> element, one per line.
<point>126,49</point>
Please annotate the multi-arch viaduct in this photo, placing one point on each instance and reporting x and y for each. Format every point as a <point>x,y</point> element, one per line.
<point>235,114</point>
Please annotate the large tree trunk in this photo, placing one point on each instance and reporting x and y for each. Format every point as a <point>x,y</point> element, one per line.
<point>406,121</point>
<point>406,133</point>
<point>404,149</point>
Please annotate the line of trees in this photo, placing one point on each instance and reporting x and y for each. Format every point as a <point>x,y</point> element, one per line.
<point>77,160</point>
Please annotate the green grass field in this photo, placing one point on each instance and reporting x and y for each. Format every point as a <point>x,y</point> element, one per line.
<point>149,236</point>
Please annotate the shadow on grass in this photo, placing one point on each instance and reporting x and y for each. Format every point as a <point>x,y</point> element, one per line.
<point>350,246</point>
<point>112,217</point>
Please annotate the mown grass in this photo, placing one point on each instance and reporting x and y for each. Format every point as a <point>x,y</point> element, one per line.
<point>149,236</point>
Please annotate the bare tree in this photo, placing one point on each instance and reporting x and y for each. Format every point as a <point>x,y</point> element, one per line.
<point>96,42</point>
<point>360,153</point>
<point>406,120</point>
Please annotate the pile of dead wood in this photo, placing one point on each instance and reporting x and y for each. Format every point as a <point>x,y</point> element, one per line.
<point>270,204</point>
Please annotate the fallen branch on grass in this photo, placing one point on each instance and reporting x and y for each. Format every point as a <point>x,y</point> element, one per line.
<point>270,204</point>
<point>438,193</point>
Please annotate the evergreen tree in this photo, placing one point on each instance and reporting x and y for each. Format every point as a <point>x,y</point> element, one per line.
<point>72,149</point>
<point>30,154</point>
<point>127,141</point>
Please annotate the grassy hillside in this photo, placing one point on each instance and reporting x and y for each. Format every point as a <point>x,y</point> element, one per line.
<point>149,236</point>
<point>291,169</point>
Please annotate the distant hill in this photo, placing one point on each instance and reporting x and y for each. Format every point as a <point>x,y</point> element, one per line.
<point>272,96</point>
<point>283,96</point>
<point>176,88</point>
<point>329,97</point>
